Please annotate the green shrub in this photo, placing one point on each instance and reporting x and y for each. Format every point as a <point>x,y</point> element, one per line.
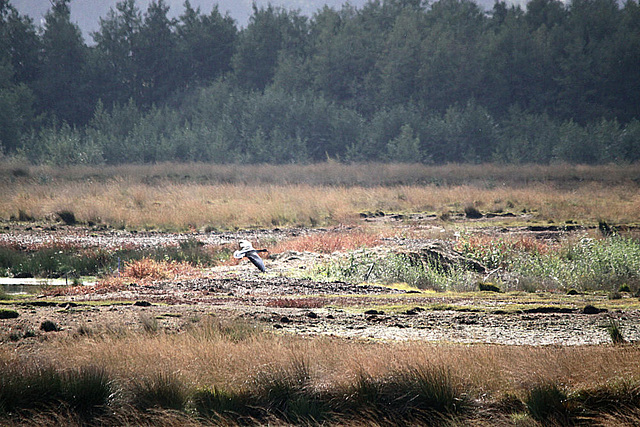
<point>472,212</point>
<point>397,268</point>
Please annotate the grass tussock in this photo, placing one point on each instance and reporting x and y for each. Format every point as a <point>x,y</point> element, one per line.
<point>222,374</point>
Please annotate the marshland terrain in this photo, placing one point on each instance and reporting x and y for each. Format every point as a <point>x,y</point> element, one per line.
<point>156,312</point>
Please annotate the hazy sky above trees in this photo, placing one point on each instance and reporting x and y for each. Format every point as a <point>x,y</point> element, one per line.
<point>87,13</point>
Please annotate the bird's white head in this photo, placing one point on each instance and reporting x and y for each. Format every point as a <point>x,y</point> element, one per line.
<point>245,245</point>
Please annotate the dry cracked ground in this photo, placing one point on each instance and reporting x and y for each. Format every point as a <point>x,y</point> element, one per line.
<point>282,303</point>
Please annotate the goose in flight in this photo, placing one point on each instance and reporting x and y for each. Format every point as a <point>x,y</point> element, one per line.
<point>247,250</point>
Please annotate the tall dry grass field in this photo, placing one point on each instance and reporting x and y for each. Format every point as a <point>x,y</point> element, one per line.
<point>227,197</point>
<point>204,357</point>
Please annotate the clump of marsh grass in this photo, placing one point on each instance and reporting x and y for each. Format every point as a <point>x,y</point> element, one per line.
<point>288,392</point>
<point>610,397</point>
<point>413,393</point>
<point>161,390</point>
<point>84,390</point>
<point>547,402</point>
<point>214,402</point>
<point>615,332</point>
<point>149,323</point>
<point>232,330</point>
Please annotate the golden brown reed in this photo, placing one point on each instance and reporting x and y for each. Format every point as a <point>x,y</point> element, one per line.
<point>185,206</point>
<point>183,197</point>
<point>331,173</point>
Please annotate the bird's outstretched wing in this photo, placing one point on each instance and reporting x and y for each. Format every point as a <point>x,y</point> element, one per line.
<point>256,260</point>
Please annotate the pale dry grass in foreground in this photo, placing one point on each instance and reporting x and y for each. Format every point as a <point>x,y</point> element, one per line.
<point>203,357</point>
<point>176,206</point>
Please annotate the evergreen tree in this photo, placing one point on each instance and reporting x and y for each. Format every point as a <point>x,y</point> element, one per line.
<point>61,89</point>
<point>155,53</point>
<point>18,66</point>
<point>271,32</point>
<point>116,46</point>
<point>205,43</point>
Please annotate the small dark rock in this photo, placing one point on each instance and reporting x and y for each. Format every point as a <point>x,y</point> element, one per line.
<point>472,213</point>
<point>277,326</point>
<point>285,319</point>
<point>67,304</point>
<point>312,315</point>
<point>49,326</point>
<point>68,217</point>
<point>8,314</point>
<point>373,312</point>
<point>23,275</point>
<point>488,287</point>
<point>330,316</point>
<point>41,303</point>
<point>547,310</point>
<point>573,292</point>
<point>589,309</point>
<point>142,304</point>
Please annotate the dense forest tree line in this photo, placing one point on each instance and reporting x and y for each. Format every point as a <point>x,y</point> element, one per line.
<point>395,80</point>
